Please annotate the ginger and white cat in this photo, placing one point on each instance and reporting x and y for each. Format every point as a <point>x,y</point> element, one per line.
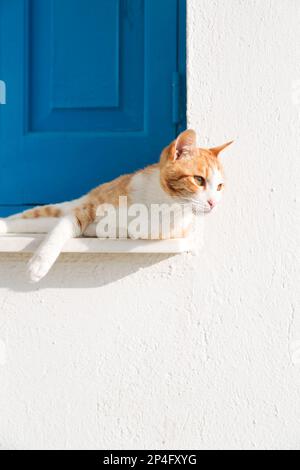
<point>184,174</point>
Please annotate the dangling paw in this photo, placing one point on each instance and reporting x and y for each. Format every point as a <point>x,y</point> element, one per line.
<point>37,268</point>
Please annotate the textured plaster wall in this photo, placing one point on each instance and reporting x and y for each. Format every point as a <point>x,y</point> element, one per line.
<point>193,351</point>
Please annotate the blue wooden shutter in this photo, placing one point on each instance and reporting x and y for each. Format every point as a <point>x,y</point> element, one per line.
<point>89,93</point>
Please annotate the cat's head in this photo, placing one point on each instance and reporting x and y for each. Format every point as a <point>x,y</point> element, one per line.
<point>191,173</point>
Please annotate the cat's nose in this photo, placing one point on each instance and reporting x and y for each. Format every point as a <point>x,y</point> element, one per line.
<point>212,203</point>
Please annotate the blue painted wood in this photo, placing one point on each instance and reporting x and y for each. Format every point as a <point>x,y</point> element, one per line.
<point>7,210</point>
<point>89,92</point>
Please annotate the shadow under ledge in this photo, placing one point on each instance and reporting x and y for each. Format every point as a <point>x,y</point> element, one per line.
<point>86,262</point>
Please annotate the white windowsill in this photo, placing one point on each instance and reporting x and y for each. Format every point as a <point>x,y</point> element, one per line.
<point>27,243</point>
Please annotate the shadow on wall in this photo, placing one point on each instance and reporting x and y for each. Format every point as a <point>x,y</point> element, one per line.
<point>79,270</point>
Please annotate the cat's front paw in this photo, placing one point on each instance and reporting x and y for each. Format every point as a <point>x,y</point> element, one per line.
<point>37,268</point>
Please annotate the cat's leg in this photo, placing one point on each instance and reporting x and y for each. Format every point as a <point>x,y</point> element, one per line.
<point>18,225</point>
<point>66,228</point>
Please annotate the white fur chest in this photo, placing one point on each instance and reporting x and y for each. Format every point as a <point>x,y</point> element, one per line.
<point>145,188</point>
<point>175,217</point>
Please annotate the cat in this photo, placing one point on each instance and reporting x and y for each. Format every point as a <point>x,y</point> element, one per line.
<point>185,174</point>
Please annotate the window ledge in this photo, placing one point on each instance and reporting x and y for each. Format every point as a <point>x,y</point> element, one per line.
<point>27,243</point>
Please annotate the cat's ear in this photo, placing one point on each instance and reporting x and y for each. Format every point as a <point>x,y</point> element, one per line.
<point>185,144</point>
<point>217,150</point>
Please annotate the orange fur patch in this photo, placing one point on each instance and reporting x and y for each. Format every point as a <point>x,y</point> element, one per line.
<point>107,193</point>
<point>46,211</point>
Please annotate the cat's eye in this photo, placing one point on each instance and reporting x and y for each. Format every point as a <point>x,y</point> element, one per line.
<point>199,180</point>
<point>220,187</point>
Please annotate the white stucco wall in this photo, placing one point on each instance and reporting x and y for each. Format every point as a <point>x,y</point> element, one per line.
<point>193,351</point>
